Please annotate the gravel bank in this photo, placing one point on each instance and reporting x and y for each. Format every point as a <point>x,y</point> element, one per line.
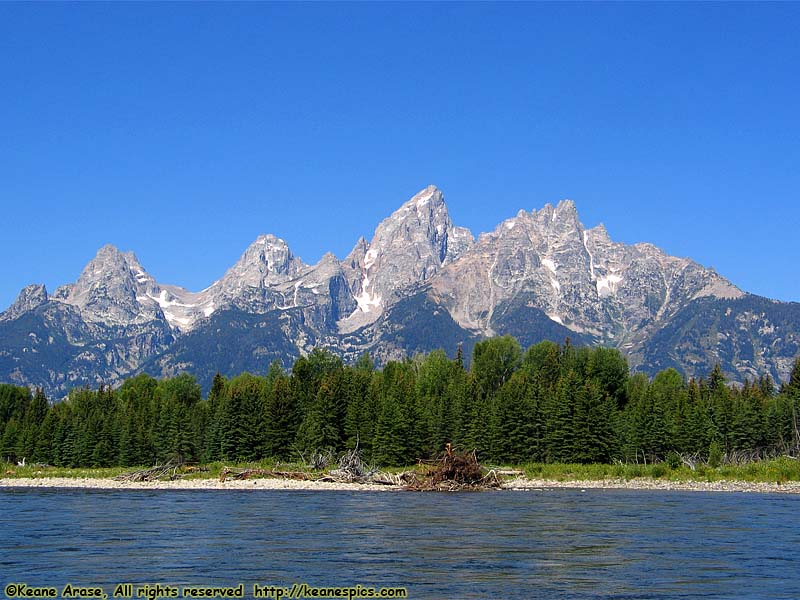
<point>290,484</point>
<point>190,484</point>
<point>657,484</point>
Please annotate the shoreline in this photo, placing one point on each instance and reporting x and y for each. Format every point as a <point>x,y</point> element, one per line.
<point>519,484</point>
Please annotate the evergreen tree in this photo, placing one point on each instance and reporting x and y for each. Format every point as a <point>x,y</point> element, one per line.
<point>361,413</point>
<point>542,361</point>
<point>35,413</point>
<point>792,392</point>
<point>242,427</point>
<point>282,419</point>
<point>217,387</point>
<point>43,452</point>
<point>516,423</point>
<point>390,447</point>
<point>559,420</point>
<point>213,439</point>
<point>319,429</point>
<point>592,424</point>
<point>9,445</point>
<point>397,439</point>
<point>494,361</point>
<point>435,425</point>
<point>609,370</point>
<point>748,423</point>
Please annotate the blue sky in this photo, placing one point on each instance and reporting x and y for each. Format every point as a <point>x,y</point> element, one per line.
<point>182,131</point>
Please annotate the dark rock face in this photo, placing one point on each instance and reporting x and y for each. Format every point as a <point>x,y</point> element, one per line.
<point>421,283</point>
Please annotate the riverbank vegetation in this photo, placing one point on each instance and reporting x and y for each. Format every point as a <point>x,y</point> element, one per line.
<point>779,470</point>
<point>558,410</point>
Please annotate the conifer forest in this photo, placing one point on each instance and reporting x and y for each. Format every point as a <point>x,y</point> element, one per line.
<point>549,403</point>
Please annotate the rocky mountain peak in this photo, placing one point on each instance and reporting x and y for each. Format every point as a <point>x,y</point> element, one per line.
<point>565,217</point>
<point>408,248</point>
<point>266,261</point>
<point>567,207</point>
<point>353,264</point>
<point>431,194</point>
<point>113,289</point>
<point>565,213</point>
<point>30,298</point>
<point>578,277</point>
<point>356,255</point>
<point>599,233</point>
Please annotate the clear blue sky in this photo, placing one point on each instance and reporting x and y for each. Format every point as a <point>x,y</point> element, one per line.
<point>182,131</point>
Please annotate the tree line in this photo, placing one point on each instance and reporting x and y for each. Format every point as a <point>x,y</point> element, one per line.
<point>549,403</point>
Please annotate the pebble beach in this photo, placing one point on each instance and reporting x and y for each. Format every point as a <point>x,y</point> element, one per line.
<point>519,484</point>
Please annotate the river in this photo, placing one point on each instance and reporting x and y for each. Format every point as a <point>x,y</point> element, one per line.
<point>508,544</point>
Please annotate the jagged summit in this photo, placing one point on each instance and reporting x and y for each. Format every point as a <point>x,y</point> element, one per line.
<point>407,248</point>
<point>30,298</point>
<point>578,277</point>
<point>113,288</point>
<point>267,260</point>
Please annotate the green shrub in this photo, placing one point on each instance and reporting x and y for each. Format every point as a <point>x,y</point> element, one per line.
<point>659,470</point>
<point>714,455</point>
<point>674,460</point>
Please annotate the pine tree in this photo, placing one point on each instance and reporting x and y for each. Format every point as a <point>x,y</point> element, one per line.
<point>281,420</point>
<point>435,423</point>
<point>217,387</point>
<point>43,452</point>
<point>9,445</point>
<point>212,445</point>
<point>766,386</point>
<point>716,380</point>
<point>515,421</point>
<point>252,390</point>
<point>592,424</point>
<point>460,357</point>
<point>792,392</point>
<point>103,451</point>
<point>127,444</point>
<point>361,414</point>
<point>242,432</point>
<point>747,427</point>
<point>319,429</point>
<point>35,413</point>
<point>390,447</point>
<point>560,407</point>
<point>542,361</point>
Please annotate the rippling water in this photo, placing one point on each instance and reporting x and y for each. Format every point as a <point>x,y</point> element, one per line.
<point>540,544</point>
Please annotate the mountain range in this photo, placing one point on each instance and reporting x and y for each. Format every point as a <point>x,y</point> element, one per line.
<point>419,284</point>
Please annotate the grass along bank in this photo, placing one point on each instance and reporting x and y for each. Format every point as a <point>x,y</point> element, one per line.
<point>775,471</point>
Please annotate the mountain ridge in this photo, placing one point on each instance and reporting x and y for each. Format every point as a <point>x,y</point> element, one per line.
<point>537,273</point>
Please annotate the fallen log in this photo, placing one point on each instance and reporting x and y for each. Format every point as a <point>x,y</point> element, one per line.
<point>169,470</point>
<point>233,473</point>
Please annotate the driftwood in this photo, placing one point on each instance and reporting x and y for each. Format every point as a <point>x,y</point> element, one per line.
<point>169,470</point>
<point>232,473</point>
<point>318,460</point>
<point>405,478</point>
<point>237,473</point>
<point>172,470</point>
<point>454,471</point>
<point>351,468</point>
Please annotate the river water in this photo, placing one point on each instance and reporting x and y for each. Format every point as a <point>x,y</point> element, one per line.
<point>508,544</point>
